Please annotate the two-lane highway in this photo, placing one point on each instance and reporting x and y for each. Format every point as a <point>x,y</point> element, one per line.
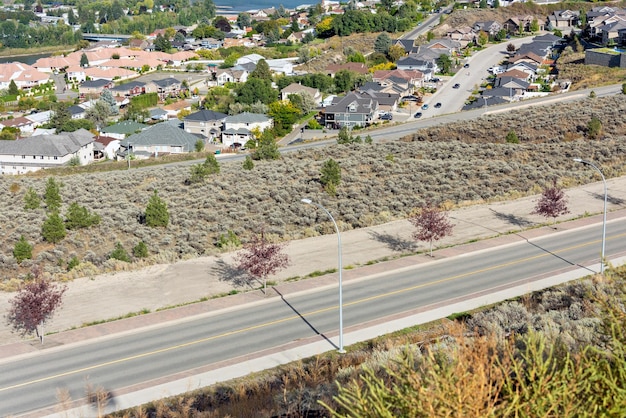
<point>32,382</point>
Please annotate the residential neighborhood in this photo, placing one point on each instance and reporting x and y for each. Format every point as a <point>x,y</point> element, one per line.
<point>354,95</point>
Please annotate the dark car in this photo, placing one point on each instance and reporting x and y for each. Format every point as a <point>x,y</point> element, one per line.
<point>386,116</point>
<point>418,115</point>
<point>438,105</point>
<point>466,65</point>
<point>410,98</point>
<point>456,86</point>
<point>436,80</point>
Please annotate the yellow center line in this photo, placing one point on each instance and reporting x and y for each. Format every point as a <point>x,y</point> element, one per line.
<point>290,318</point>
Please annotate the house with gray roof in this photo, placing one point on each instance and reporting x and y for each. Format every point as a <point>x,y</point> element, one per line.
<point>238,128</point>
<point>351,110</point>
<point>123,129</point>
<point>46,151</point>
<point>207,123</point>
<point>168,87</point>
<point>159,139</point>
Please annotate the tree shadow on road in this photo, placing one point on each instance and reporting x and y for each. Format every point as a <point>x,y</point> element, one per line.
<point>394,242</point>
<point>610,199</point>
<point>231,274</point>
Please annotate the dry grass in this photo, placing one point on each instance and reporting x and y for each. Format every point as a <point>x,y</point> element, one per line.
<point>460,164</point>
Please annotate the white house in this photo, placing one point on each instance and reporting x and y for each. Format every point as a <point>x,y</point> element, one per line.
<point>238,128</point>
<point>39,152</point>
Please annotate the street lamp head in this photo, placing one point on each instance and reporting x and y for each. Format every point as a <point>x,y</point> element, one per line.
<point>307,201</point>
<point>578,160</point>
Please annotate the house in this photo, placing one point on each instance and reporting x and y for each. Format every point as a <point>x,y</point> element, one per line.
<point>77,112</point>
<point>428,67</point>
<point>39,118</point>
<point>296,37</point>
<point>39,152</point>
<point>563,19</point>
<point>159,139</point>
<point>139,44</point>
<point>407,44</point>
<point>351,110</point>
<point>515,86</point>
<point>614,32</point>
<point>174,108</point>
<point>519,24</point>
<point>123,129</point>
<point>295,88</point>
<point>238,129</point>
<point>117,74</point>
<point>389,86</point>
<point>207,123</point>
<point>107,146</point>
<point>463,34</point>
<point>230,75</point>
<point>158,114</point>
<point>26,126</point>
<point>93,88</point>
<point>132,88</point>
<point>24,75</point>
<point>492,27</point>
<point>412,78</point>
<point>168,87</point>
<point>76,74</point>
<point>387,102</point>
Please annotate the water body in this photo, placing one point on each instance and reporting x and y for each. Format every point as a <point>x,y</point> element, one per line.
<point>236,6</point>
<point>26,59</point>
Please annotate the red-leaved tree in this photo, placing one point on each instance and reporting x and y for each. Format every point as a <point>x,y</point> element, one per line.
<point>261,258</point>
<point>34,304</point>
<point>431,224</point>
<point>552,203</point>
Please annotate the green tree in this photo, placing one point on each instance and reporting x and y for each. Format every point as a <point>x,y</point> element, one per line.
<point>248,164</point>
<point>22,250</point>
<point>52,195</point>
<point>382,43</point>
<point>445,63</point>
<point>199,172</point>
<point>140,250</point>
<point>496,4</point>
<point>285,114</point>
<point>120,253</point>
<point>61,116</point>
<point>395,52</point>
<point>199,145</point>
<point>534,25</point>
<point>84,61</point>
<point>13,90</point>
<point>262,71</point>
<point>482,4</point>
<point>161,43</point>
<point>98,114</point>
<point>78,216</point>
<point>344,81</point>
<point>256,90</point>
<point>594,128</point>
<point>512,138</point>
<point>483,38</point>
<point>53,229</point>
<point>108,98</point>
<point>157,214</point>
<point>267,149</point>
<point>243,20</point>
<point>330,176</point>
<point>31,199</point>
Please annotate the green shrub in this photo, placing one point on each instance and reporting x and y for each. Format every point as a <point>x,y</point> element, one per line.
<point>119,253</point>
<point>79,217</point>
<point>140,250</point>
<point>22,250</point>
<point>53,229</point>
<point>32,200</point>
<point>74,262</point>
<point>156,212</point>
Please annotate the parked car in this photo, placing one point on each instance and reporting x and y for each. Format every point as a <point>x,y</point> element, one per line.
<point>425,106</point>
<point>386,116</point>
<point>410,98</point>
<point>438,105</point>
<point>417,115</point>
<point>466,65</point>
<point>436,80</point>
<point>456,86</point>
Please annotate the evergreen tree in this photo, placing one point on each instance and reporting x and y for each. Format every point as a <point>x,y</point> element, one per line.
<point>108,98</point>
<point>199,145</point>
<point>382,43</point>
<point>119,253</point>
<point>84,61</point>
<point>79,217</point>
<point>140,250</point>
<point>52,195</point>
<point>330,176</point>
<point>156,212</point>
<point>247,163</point>
<point>53,229</point>
<point>594,128</point>
<point>262,71</point>
<point>512,138</point>
<point>267,149</point>
<point>13,90</point>
<point>31,199</point>
<point>22,250</point>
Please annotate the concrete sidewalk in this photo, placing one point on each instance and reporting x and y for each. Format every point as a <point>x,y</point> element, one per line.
<point>115,295</point>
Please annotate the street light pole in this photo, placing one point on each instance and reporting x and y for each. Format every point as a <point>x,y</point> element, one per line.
<point>310,202</point>
<point>589,163</point>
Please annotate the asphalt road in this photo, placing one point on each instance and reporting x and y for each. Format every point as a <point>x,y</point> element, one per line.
<point>32,382</point>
